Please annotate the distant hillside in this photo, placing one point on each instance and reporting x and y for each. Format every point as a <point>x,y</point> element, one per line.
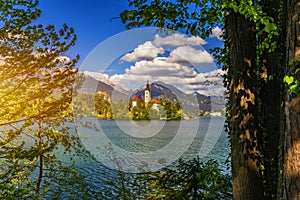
<point>192,102</point>
<point>159,90</point>
<point>91,85</point>
<point>156,91</point>
<point>174,89</point>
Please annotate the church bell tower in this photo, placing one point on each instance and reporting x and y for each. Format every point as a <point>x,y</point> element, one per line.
<point>147,93</point>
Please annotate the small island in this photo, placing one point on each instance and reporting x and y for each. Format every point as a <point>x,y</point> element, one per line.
<point>155,101</point>
<point>153,108</point>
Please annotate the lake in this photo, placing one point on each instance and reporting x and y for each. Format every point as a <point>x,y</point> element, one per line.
<point>139,146</point>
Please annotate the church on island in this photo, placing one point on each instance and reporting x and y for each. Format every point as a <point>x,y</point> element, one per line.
<point>147,98</point>
<point>147,108</point>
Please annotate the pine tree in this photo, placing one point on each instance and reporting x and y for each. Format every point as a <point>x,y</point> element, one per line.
<point>36,86</point>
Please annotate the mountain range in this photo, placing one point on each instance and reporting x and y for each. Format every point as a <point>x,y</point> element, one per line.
<point>159,90</point>
<point>91,85</point>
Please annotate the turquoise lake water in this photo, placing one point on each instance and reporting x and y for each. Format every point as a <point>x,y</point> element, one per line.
<point>138,146</point>
<point>143,146</point>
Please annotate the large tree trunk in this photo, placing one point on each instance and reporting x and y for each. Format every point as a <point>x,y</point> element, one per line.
<point>292,106</point>
<point>270,98</point>
<point>243,124</point>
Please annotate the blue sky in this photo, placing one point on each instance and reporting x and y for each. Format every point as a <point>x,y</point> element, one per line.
<point>130,58</point>
<point>91,20</point>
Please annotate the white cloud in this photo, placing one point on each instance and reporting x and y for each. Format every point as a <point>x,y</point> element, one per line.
<point>160,67</point>
<point>214,77</point>
<point>216,32</point>
<point>133,81</point>
<point>178,40</point>
<point>183,77</point>
<point>219,91</point>
<point>190,87</point>
<point>190,56</point>
<point>205,90</point>
<point>216,72</point>
<point>97,76</point>
<point>153,71</point>
<point>172,69</point>
<point>197,80</point>
<point>145,51</point>
<point>127,81</point>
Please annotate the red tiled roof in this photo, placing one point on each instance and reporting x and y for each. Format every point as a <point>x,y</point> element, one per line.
<point>137,98</point>
<point>155,101</point>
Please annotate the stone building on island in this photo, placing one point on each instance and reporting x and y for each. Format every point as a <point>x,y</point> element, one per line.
<point>147,98</point>
<point>136,99</point>
<point>147,93</point>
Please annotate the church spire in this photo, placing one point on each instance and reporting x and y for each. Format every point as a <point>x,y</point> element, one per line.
<point>147,85</point>
<point>147,93</point>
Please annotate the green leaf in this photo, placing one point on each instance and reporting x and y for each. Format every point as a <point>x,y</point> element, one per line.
<point>294,88</point>
<point>288,79</point>
<point>270,27</point>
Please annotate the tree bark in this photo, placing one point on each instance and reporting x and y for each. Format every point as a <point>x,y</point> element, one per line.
<point>292,105</point>
<point>243,124</point>
<point>270,98</point>
<point>41,162</point>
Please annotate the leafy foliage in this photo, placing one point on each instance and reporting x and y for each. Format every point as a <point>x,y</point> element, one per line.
<point>166,110</point>
<point>195,17</point>
<point>190,179</point>
<point>120,109</point>
<point>93,105</point>
<point>170,110</point>
<point>103,106</point>
<point>140,111</point>
<point>36,87</point>
<point>264,25</point>
<point>292,83</point>
<point>292,79</point>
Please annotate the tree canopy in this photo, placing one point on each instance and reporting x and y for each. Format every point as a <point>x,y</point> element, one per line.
<point>260,37</point>
<point>36,86</point>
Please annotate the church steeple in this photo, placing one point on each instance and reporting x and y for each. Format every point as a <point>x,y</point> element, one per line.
<point>147,86</point>
<point>147,93</point>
